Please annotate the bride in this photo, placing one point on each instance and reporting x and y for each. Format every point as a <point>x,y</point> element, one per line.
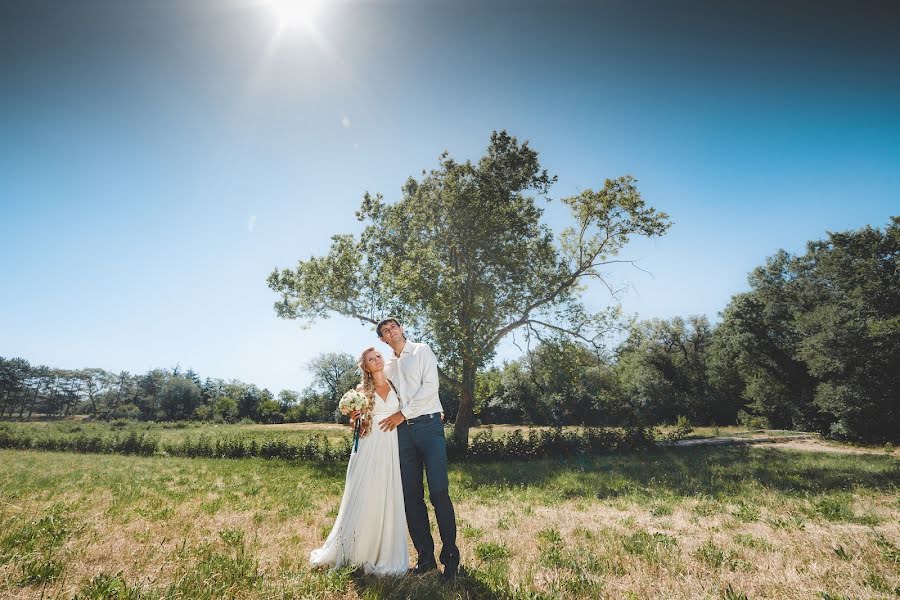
<point>370,529</point>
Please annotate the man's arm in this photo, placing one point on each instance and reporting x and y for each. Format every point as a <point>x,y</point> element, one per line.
<point>427,362</point>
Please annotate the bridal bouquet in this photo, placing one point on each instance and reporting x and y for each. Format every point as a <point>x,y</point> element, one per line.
<point>355,400</point>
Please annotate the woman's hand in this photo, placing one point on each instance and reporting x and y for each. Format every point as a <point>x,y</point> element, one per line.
<point>354,415</point>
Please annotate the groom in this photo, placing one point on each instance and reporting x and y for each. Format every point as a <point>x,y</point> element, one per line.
<point>420,435</point>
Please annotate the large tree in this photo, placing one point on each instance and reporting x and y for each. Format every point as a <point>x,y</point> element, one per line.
<point>464,260</point>
<point>816,341</point>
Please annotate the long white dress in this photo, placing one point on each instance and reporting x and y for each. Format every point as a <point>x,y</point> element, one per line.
<point>370,529</point>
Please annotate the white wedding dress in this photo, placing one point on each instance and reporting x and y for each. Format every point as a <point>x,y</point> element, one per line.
<point>370,529</point>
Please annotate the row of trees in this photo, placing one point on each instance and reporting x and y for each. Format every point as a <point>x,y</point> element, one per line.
<point>660,372</point>
<point>27,391</point>
<point>164,395</point>
<point>813,345</point>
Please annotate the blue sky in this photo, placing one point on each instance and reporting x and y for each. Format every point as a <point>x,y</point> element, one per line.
<point>159,159</point>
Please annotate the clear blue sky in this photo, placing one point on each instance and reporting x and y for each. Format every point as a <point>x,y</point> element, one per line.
<point>159,158</point>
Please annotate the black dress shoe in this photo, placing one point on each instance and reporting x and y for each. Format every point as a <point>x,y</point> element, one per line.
<point>451,568</point>
<point>425,567</point>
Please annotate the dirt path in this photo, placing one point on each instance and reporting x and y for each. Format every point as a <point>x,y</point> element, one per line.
<point>804,441</point>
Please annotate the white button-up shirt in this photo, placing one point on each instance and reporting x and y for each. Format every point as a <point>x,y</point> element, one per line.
<point>415,373</point>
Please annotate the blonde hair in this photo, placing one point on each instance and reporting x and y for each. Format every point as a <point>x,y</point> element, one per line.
<point>366,382</point>
<point>367,387</point>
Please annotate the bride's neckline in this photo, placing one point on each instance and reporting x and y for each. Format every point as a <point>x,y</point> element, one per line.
<point>380,397</point>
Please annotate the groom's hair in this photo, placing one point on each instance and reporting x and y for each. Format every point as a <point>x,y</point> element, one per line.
<point>384,322</point>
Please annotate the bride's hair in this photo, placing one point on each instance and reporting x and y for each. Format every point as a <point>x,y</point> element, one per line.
<point>367,387</point>
<point>367,382</point>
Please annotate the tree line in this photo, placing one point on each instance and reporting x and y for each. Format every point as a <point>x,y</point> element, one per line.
<point>463,258</point>
<point>29,390</point>
<point>814,344</point>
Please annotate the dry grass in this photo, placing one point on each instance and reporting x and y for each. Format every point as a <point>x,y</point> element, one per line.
<point>666,525</point>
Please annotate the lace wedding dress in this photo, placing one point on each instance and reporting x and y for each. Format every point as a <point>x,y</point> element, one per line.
<point>370,529</point>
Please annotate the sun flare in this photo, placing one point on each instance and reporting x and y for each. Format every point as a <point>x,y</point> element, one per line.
<point>295,13</point>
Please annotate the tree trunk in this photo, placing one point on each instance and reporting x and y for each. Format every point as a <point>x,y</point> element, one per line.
<point>466,403</point>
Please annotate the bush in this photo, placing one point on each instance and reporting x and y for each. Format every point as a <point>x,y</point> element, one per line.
<point>484,447</point>
<point>134,443</point>
<point>314,448</point>
<point>551,443</point>
<point>749,421</point>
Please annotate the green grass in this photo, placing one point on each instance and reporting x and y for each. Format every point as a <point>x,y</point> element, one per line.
<point>694,521</point>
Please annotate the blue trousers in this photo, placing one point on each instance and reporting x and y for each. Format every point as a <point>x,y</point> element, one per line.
<point>422,445</point>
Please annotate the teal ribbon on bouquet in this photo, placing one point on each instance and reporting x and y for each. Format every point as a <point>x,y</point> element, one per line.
<point>356,435</point>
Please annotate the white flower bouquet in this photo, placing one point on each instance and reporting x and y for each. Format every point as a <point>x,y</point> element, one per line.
<point>356,400</point>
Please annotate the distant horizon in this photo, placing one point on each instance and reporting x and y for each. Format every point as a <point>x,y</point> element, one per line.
<point>161,158</point>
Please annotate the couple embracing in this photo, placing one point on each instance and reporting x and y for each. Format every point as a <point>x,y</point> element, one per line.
<point>384,489</point>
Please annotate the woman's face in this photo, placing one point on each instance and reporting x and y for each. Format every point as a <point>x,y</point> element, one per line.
<point>373,361</point>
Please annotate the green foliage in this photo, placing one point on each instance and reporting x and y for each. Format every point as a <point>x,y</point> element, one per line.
<point>555,443</point>
<point>663,370</point>
<point>334,373</point>
<point>560,382</point>
<point>108,587</point>
<point>751,541</point>
<point>889,551</point>
<point>491,551</point>
<point>710,554</point>
<point>132,443</point>
<point>749,421</point>
<point>485,446</point>
<point>34,546</point>
<point>732,594</point>
<point>816,342</point>
<point>226,408</point>
<point>652,547</point>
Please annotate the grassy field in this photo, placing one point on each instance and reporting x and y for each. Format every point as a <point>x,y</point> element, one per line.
<point>687,523</point>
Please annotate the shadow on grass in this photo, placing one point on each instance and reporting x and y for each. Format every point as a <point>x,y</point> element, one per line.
<point>731,471</point>
<point>465,587</point>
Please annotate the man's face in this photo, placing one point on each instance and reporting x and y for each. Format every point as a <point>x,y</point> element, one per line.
<point>391,333</point>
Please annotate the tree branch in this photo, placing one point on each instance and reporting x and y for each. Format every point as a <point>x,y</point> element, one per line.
<point>576,334</point>
<point>447,379</point>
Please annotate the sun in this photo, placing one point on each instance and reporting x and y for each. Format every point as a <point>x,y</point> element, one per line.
<point>295,13</point>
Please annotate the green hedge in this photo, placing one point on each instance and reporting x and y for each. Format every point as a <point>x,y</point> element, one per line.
<point>132,443</point>
<point>484,447</point>
<point>552,443</point>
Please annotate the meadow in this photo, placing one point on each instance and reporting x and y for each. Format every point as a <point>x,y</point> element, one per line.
<point>732,522</point>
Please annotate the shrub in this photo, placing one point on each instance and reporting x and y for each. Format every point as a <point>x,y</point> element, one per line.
<point>485,447</point>
<point>749,421</point>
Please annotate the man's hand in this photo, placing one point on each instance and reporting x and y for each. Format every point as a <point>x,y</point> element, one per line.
<point>392,421</point>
